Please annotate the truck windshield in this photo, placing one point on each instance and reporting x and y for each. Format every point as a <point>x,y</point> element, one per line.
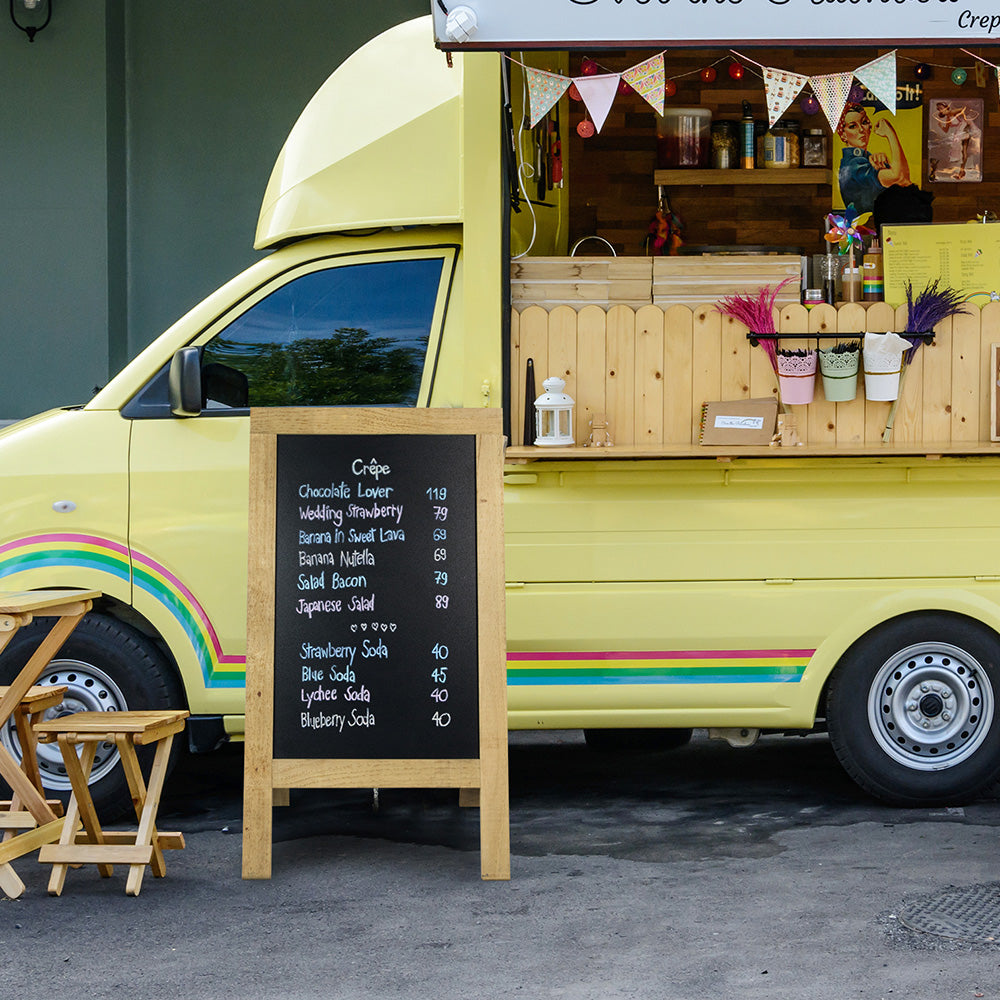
<point>353,335</point>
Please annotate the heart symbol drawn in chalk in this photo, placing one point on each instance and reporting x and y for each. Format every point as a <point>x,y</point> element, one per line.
<point>383,626</point>
<point>354,628</point>
<point>392,626</point>
<point>363,626</point>
<point>374,626</point>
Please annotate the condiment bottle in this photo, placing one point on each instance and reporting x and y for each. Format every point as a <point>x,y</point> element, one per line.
<point>747,138</point>
<point>850,283</point>
<point>873,281</point>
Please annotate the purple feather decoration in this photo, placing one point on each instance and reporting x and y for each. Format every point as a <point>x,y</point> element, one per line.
<point>923,313</point>
<point>930,307</point>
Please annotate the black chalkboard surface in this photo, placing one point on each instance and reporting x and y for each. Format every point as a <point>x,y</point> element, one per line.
<point>375,632</point>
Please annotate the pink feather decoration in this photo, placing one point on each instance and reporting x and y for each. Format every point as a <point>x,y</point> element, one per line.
<point>756,313</point>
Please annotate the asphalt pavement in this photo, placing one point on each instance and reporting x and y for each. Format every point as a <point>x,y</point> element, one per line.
<point>701,872</point>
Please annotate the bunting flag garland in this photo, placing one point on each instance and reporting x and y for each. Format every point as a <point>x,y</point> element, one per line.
<point>879,76</point>
<point>781,88</point>
<point>831,91</point>
<point>598,93</point>
<point>988,63</point>
<point>544,89</point>
<point>647,79</point>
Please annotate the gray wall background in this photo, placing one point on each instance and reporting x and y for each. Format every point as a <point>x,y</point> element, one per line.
<point>136,139</point>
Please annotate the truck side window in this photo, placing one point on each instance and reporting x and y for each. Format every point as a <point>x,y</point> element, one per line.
<point>354,335</point>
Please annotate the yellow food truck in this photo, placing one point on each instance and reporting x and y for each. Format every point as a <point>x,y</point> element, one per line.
<point>655,583</point>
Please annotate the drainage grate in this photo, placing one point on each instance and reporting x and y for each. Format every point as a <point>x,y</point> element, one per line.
<point>970,913</point>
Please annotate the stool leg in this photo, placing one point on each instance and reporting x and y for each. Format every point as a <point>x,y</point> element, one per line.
<point>10,881</point>
<point>71,821</point>
<point>81,808</point>
<point>146,834</point>
<point>137,788</point>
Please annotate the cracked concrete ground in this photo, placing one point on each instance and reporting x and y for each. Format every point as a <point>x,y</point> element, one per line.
<point>702,872</point>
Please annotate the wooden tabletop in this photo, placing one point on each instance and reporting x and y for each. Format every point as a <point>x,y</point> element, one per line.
<point>18,602</point>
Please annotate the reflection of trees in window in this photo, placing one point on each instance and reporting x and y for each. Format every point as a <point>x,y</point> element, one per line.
<point>350,367</point>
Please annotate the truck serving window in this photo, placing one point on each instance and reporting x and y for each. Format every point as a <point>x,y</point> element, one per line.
<point>354,335</point>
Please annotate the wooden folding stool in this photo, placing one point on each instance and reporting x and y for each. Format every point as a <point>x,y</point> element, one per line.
<point>94,845</point>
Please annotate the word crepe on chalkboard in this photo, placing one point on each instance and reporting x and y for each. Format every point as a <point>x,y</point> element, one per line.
<point>376,640</point>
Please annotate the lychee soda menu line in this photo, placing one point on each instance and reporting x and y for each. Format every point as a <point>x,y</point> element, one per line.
<point>375,639</point>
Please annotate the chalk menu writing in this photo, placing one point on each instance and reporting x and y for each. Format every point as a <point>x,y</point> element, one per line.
<point>375,639</point>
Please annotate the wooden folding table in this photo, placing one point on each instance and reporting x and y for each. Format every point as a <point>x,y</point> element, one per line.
<point>17,609</point>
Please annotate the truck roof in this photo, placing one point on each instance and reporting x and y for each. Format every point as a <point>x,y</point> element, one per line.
<point>379,144</point>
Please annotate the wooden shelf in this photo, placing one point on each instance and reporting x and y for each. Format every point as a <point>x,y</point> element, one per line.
<point>796,175</point>
<point>860,449</point>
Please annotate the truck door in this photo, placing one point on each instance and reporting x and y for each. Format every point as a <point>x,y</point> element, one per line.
<point>355,329</point>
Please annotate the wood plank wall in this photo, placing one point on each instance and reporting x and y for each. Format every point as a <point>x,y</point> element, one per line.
<point>610,175</point>
<point>649,370</point>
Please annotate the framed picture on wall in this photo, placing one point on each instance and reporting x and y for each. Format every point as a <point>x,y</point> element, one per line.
<point>954,139</point>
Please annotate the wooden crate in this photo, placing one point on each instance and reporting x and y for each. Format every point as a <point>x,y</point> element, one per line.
<point>581,281</point>
<point>694,281</point>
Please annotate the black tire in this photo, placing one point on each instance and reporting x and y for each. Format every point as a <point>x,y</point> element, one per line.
<point>107,666</point>
<point>912,710</point>
<point>636,740</point>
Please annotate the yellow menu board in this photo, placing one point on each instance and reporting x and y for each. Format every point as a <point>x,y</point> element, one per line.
<point>965,256</point>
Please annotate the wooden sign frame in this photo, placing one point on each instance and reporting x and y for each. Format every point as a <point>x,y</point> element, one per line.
<point>266,778</point>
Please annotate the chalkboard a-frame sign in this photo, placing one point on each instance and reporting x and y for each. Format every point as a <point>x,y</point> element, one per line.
<point>375,616</point>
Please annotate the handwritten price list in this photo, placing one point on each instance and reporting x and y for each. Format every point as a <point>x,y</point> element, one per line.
<point>375,643</point>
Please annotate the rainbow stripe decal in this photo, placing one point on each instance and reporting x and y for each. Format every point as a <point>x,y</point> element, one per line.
<point>700,666</point>
<point>90,552</point>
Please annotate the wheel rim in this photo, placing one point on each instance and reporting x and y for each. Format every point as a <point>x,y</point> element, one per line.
<point>931,706</point>
<point>89,689</point>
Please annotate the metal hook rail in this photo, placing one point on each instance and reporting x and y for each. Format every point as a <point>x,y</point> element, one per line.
<point>756,338</point>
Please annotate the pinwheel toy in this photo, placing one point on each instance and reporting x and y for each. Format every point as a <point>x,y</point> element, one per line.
<point>847,229</point>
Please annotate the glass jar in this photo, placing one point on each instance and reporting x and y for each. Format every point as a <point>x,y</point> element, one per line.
<point>725,145</point>
<point>683,138</point>
<point>814,148</point>
<point>781,145</point>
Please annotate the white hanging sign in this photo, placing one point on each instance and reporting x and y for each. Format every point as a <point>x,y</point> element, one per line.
<point>519,24</point>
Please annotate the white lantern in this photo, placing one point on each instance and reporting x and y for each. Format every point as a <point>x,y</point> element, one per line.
<point>554,414</point>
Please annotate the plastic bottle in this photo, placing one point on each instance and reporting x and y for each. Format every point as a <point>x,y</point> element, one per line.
<point>747,139</point>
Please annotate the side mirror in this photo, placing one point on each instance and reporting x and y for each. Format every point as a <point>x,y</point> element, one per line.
<point>185,383</point>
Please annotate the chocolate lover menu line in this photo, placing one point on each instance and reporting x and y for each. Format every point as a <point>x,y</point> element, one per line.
<point>375,638</point>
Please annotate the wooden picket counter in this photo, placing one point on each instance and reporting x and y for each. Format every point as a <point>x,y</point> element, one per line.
<point>650,369</point>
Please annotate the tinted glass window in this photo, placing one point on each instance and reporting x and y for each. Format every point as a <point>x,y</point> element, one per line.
<point>347,336</point>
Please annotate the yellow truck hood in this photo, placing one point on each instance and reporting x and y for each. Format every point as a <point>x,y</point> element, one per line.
<point>379,144</point>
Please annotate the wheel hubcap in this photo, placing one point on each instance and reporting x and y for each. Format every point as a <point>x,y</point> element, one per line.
<point>89,689</point>
<point>931,706</point>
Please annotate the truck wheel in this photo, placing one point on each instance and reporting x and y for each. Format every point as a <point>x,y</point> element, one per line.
<point>912,710</point>
<point>636,740</point>
<point>107,667</point>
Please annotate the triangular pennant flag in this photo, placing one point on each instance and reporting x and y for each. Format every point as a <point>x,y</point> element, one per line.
<point>544,89</point>
<point>647,80</point>
<point>781,88</point>
<point>879,76</point>
<point>598,93</point>
<point>832,91</point>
